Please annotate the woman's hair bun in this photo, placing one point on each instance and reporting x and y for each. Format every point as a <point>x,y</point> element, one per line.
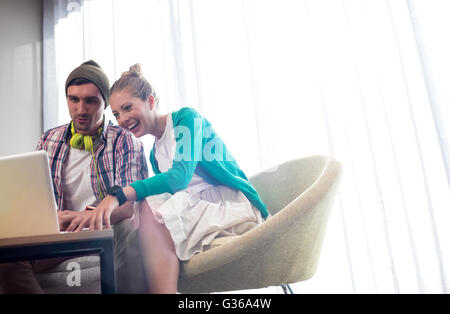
<point>134,81</point>
<point>135,70</point>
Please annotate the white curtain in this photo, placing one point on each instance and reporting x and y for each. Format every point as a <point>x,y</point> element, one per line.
<point>364,81</point>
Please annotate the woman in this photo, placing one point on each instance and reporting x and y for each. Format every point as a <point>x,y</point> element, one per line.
<point>198,192</point>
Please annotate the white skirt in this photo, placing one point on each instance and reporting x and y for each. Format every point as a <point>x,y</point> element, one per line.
<point>194,221</point>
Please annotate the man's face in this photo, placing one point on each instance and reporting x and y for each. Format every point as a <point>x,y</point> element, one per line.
<point>86,107</point>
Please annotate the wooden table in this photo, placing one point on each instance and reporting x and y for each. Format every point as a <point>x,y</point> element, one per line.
<point>65,245</point>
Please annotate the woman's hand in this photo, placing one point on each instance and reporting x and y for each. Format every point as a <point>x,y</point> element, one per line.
<point>102,213</point>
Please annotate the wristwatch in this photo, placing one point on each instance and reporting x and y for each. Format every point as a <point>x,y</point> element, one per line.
<point>117,192</point>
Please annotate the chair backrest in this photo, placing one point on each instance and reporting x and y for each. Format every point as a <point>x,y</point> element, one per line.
<point>285,249</point>
<point>299,194</point>
<point>281,185</point>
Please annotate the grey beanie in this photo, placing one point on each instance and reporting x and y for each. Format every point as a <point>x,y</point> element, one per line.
<point>91,71</point>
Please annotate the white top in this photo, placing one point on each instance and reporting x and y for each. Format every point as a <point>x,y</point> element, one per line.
<point>164,151</point>
<point>202,212</point>
<point>77,186</point>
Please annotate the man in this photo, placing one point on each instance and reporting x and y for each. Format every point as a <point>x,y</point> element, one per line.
<point>88,158</point>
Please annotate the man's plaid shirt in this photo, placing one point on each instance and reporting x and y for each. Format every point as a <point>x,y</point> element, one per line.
<point>119,155</point>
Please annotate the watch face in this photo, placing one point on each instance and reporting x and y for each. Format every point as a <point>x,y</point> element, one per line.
<point>114,190</point>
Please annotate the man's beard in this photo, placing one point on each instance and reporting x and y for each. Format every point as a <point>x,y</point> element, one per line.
<point>84,127</point>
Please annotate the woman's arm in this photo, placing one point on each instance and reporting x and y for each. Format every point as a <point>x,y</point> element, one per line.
<point>189,137</point>
<point>123,212</point>
<point>189,141</point>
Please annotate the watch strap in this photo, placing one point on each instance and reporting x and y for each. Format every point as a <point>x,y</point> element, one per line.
<point>117,191</point>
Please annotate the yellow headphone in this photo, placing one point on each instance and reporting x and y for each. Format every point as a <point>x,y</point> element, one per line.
<point>78,141</point>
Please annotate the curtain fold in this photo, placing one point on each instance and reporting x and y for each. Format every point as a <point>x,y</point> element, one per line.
<point>353,79</point>
<point>54,12</point>
<point>438,114</point>
<point>50,91</point>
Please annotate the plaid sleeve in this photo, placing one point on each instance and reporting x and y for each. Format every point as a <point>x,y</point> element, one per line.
<point>40,144</point>
<point>131,165</point>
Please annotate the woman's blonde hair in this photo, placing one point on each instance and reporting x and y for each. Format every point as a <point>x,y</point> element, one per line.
<point>133,81</point>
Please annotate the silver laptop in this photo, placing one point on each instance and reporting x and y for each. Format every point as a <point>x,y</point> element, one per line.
<point>27,202</point>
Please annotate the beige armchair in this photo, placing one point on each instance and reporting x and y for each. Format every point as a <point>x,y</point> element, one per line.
<point>285,249</point>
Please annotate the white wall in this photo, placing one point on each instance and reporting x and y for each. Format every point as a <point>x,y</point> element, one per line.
<point>20,75</point>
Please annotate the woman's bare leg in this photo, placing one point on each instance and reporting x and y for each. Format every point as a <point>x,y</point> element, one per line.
<point>158,253</point>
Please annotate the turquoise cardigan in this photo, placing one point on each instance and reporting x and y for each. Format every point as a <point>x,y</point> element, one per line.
<point>198,150</point>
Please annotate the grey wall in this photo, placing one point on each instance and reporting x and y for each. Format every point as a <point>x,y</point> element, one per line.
<point>20,75</point>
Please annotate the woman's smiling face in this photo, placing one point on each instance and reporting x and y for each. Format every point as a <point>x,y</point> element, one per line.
<point>132,113</point>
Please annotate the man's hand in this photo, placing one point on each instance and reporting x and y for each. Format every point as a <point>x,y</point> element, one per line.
<point>74,221</point>
<point>98,216</point>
